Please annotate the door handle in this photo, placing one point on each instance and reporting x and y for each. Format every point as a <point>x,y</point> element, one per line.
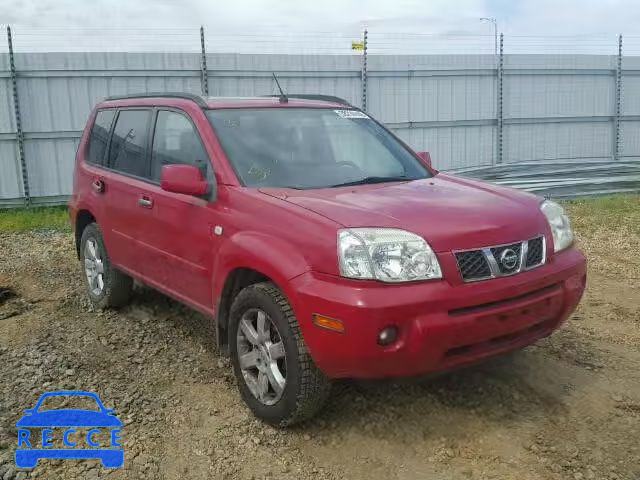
<point>145,202</point>
<point>98,185</point>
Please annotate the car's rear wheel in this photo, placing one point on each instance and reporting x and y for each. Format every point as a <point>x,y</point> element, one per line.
<point>106,286</point>
<point>276,375</point>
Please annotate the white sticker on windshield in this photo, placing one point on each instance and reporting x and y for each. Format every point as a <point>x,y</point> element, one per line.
<point>351,114</point>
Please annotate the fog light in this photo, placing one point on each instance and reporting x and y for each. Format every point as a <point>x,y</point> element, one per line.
<point>387,336</point>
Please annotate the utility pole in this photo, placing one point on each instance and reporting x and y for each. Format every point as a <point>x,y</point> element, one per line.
<point>16,110</point>
<point>364,70</point>
<point>500,104</point>
<point>204,75</point>
<point>618,107</point>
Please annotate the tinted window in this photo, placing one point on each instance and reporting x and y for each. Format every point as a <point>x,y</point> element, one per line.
<point>311,148</point>
<point>100,136</point>
<point>176,141</point>
<point>128,145</point>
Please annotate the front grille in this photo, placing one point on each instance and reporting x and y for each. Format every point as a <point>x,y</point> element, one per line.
<point>507,257</point>
<point>535,252</point>
<point>500,260</point>
<point>473,265</point>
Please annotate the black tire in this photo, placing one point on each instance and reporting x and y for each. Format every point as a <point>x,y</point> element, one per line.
<point>306,388</point>
<point>117,285</point>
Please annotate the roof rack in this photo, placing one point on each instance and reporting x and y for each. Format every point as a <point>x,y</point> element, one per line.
<point>304,96</point>
<point>183,95</point>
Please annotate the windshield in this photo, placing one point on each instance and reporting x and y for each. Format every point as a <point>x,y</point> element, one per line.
<point>311,148</point>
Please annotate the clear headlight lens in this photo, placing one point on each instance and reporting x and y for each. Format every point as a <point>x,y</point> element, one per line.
<point>559,223</point>
<point>386,254</point>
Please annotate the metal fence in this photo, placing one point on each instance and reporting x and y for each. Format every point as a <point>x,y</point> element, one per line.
<point>558,124</point>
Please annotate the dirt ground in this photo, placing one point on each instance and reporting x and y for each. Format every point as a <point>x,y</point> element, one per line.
<point>568,407</point>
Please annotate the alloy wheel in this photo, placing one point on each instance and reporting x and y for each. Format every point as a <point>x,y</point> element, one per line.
<point>262,356</point>
<point>93,266</point>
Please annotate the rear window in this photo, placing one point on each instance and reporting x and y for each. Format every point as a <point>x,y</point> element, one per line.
<point>127,152</point>
<point>100,136</point>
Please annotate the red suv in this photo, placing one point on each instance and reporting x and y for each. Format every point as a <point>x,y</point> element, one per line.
<point>322,246</point>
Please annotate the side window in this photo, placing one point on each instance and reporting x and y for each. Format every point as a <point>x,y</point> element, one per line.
<point>129,143</point>
<point>100,136</point>
<point>176,141</point>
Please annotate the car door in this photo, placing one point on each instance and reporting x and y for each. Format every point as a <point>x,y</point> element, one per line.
<point>124,182</point>
<point>91,174</point>
<point>179,240</point>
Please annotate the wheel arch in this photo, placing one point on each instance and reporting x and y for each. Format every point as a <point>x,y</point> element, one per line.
<point>237,279</point>
<point>246,259</point>
<point>83,219</point>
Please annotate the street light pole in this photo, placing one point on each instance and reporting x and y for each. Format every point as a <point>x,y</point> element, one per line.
<point>495,31</point>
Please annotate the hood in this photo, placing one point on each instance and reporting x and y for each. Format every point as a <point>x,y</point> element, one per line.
<point>449,212</point>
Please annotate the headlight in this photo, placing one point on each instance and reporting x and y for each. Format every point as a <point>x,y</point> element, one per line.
<point>559,223</point>
<point>385,254</point>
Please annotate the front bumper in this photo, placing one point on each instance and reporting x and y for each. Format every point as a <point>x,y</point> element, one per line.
<point>441,324</point>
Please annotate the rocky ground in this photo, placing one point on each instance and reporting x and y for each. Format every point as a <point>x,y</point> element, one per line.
<point>568,407</point>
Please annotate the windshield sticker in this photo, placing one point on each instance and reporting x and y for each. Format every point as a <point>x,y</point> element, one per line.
<point>351,114</point>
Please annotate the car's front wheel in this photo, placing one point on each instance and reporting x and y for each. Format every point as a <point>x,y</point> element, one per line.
<point>276,375</point>
<point>106,286</point>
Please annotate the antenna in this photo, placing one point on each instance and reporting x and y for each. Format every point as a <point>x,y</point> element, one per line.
<point>283,96</point>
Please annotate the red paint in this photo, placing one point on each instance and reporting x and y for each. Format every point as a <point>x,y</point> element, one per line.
<point>426,158</point>
<point>290,236</point>
<point>185,179</point>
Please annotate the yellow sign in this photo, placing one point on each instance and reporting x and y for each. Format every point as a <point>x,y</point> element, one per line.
<point>359,46</point>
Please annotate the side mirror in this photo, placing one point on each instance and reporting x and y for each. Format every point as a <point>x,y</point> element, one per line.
<point>426,158</point>
<point>185,179</point>
<point>29,410</point>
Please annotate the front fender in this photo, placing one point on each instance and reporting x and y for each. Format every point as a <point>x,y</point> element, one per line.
<point>272,256</point>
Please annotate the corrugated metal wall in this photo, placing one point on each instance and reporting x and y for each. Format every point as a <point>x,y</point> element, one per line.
<point>58,90</point>
<point>558,107</point>
<point>10,176</point>
<point>558,110</point>
<point>445,104</point>
<point>630,126</point>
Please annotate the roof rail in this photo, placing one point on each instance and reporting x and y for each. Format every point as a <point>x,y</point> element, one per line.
<point>183,95</point>
<point>304,96</point>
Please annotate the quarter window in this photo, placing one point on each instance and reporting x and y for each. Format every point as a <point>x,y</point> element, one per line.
<point>100,136</point>
<point>129,142</point>
<point>176,141</point>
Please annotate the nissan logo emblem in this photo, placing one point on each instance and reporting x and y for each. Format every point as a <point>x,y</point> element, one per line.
<point>509,259</point>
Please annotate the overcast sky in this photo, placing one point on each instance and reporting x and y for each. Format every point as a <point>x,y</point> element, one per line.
<point>275,20</point>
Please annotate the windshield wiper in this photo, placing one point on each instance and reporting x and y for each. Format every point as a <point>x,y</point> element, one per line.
<point>368,180</point>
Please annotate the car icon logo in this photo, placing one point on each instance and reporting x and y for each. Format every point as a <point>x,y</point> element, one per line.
<point>28,452</point>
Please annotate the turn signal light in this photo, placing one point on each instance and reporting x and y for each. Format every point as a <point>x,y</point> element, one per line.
<point>328,323</point>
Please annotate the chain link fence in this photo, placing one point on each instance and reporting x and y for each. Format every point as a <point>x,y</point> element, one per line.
<point>555,115</point>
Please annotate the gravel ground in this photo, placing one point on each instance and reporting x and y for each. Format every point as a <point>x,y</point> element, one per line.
<point>568,407</point>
